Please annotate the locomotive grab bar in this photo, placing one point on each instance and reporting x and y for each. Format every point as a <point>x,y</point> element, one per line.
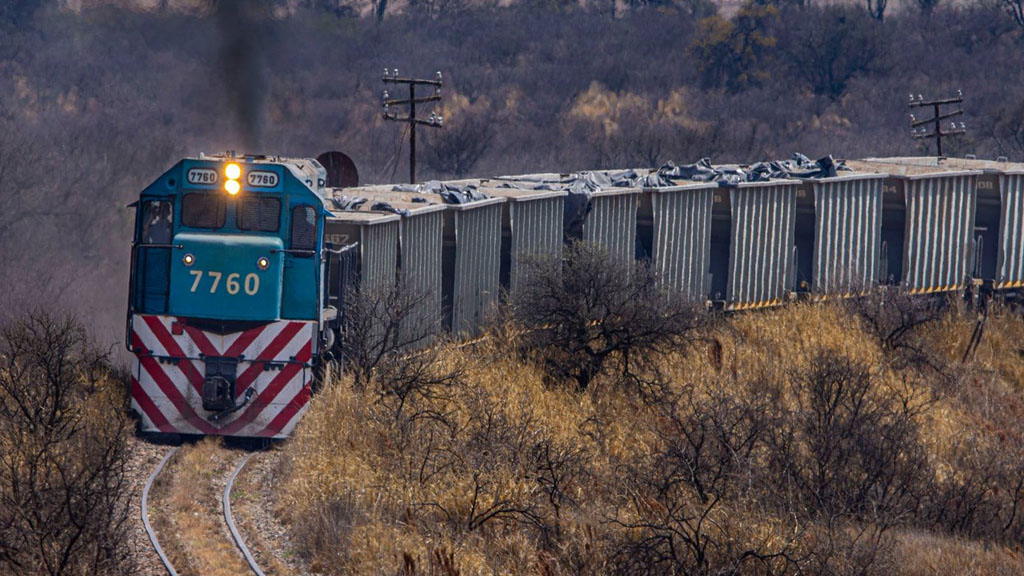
<point>144,245</point>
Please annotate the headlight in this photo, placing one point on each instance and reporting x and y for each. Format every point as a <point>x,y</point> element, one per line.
<point>232,171</point>
<point>232,187</point>
<point>263,263</point>
<point>188,260</point>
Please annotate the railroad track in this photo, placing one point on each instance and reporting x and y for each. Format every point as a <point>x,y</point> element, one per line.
<point>230,521</point>
<point>145,512</point>
<point>228,518</point>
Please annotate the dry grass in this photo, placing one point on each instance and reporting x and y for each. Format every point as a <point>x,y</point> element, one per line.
<point>925,554</point>
<point>367,490</point>
<point>190,523</point>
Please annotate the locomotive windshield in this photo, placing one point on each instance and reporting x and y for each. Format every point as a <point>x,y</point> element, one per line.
<point>259,214</point>
<point>203,211</point>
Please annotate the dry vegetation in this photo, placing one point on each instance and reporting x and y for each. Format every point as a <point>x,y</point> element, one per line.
<point>63,450</point>
<point>188,516</point>
<point>95,102</point>
<point>784,441</point>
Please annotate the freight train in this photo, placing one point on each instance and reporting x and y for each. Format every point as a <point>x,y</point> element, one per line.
<point>239,264</point>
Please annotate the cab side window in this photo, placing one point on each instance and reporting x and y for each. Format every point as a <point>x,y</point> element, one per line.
<point>157,222</point>
<point>303,232</point>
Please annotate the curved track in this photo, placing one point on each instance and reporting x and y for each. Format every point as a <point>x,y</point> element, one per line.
<point>145,512</point>
<point>231,522</point>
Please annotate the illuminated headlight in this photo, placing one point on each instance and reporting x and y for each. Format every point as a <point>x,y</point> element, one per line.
<point>188,259</point>
<point>232,187</point>
<point>263,263</point>
<point>232,171</point>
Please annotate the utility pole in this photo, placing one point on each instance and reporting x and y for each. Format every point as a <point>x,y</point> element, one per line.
<point>937,105</point>
<point>435,121</point>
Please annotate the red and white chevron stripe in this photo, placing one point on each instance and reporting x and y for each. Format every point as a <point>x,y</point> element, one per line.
<point>168,372</point>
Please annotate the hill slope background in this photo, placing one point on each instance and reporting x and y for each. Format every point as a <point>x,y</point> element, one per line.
<point>96,101</point>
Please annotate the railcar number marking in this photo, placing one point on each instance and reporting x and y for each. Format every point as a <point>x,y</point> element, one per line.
<point>262,179</point>
<point>201,176</point>
<point>251,284</point>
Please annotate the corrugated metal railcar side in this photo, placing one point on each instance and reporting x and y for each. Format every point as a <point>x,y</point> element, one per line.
<point>611,222</point>
<point>681,244</point>
<point>474,285</point>
<point>377,237</point>
<point>531,226</point>
<point>1011,250</point>
<point>420,255</point>
<point>939,237</point>
<point>848,233</point>
<point>762,241</point>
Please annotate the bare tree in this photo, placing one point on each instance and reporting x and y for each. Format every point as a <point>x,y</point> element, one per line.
<point>392,339</point>
<point>706,461</point>
<point>63,487</point>
<point>894,317</point>
<point>457,147</point>
<point>592,311</point>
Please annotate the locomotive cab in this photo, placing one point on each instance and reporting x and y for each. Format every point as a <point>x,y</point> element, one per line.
<point>225,305</point>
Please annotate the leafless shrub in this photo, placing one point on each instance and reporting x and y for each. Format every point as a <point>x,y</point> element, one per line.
<point>676,518</point>
<point>894,317</point>
<point>63,491</point>
<point>851,447</point>
<point>392,339</point>
<point>592,312</point>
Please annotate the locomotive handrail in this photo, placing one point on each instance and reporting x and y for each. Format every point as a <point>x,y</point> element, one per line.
<point>299,252</point>
<point>343,249</point>
<point>147,245</point>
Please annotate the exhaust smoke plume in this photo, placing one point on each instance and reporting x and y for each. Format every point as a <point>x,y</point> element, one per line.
<point>245,34</point>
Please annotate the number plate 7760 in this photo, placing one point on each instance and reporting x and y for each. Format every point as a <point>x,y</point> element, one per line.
<point>232,284</point>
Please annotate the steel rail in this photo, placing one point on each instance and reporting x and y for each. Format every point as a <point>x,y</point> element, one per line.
<point>231,522</point>
<point>145,512</point>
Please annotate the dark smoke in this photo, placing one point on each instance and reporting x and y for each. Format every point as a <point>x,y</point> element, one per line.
<point>246,34</point>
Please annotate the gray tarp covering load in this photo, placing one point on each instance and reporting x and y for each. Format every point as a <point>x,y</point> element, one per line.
<point>385,207</point>
<point>799,166</point>
<point>450,193</point>
<point>346,203</point>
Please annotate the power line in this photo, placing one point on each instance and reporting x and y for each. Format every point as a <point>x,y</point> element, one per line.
<point>435,121</point>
